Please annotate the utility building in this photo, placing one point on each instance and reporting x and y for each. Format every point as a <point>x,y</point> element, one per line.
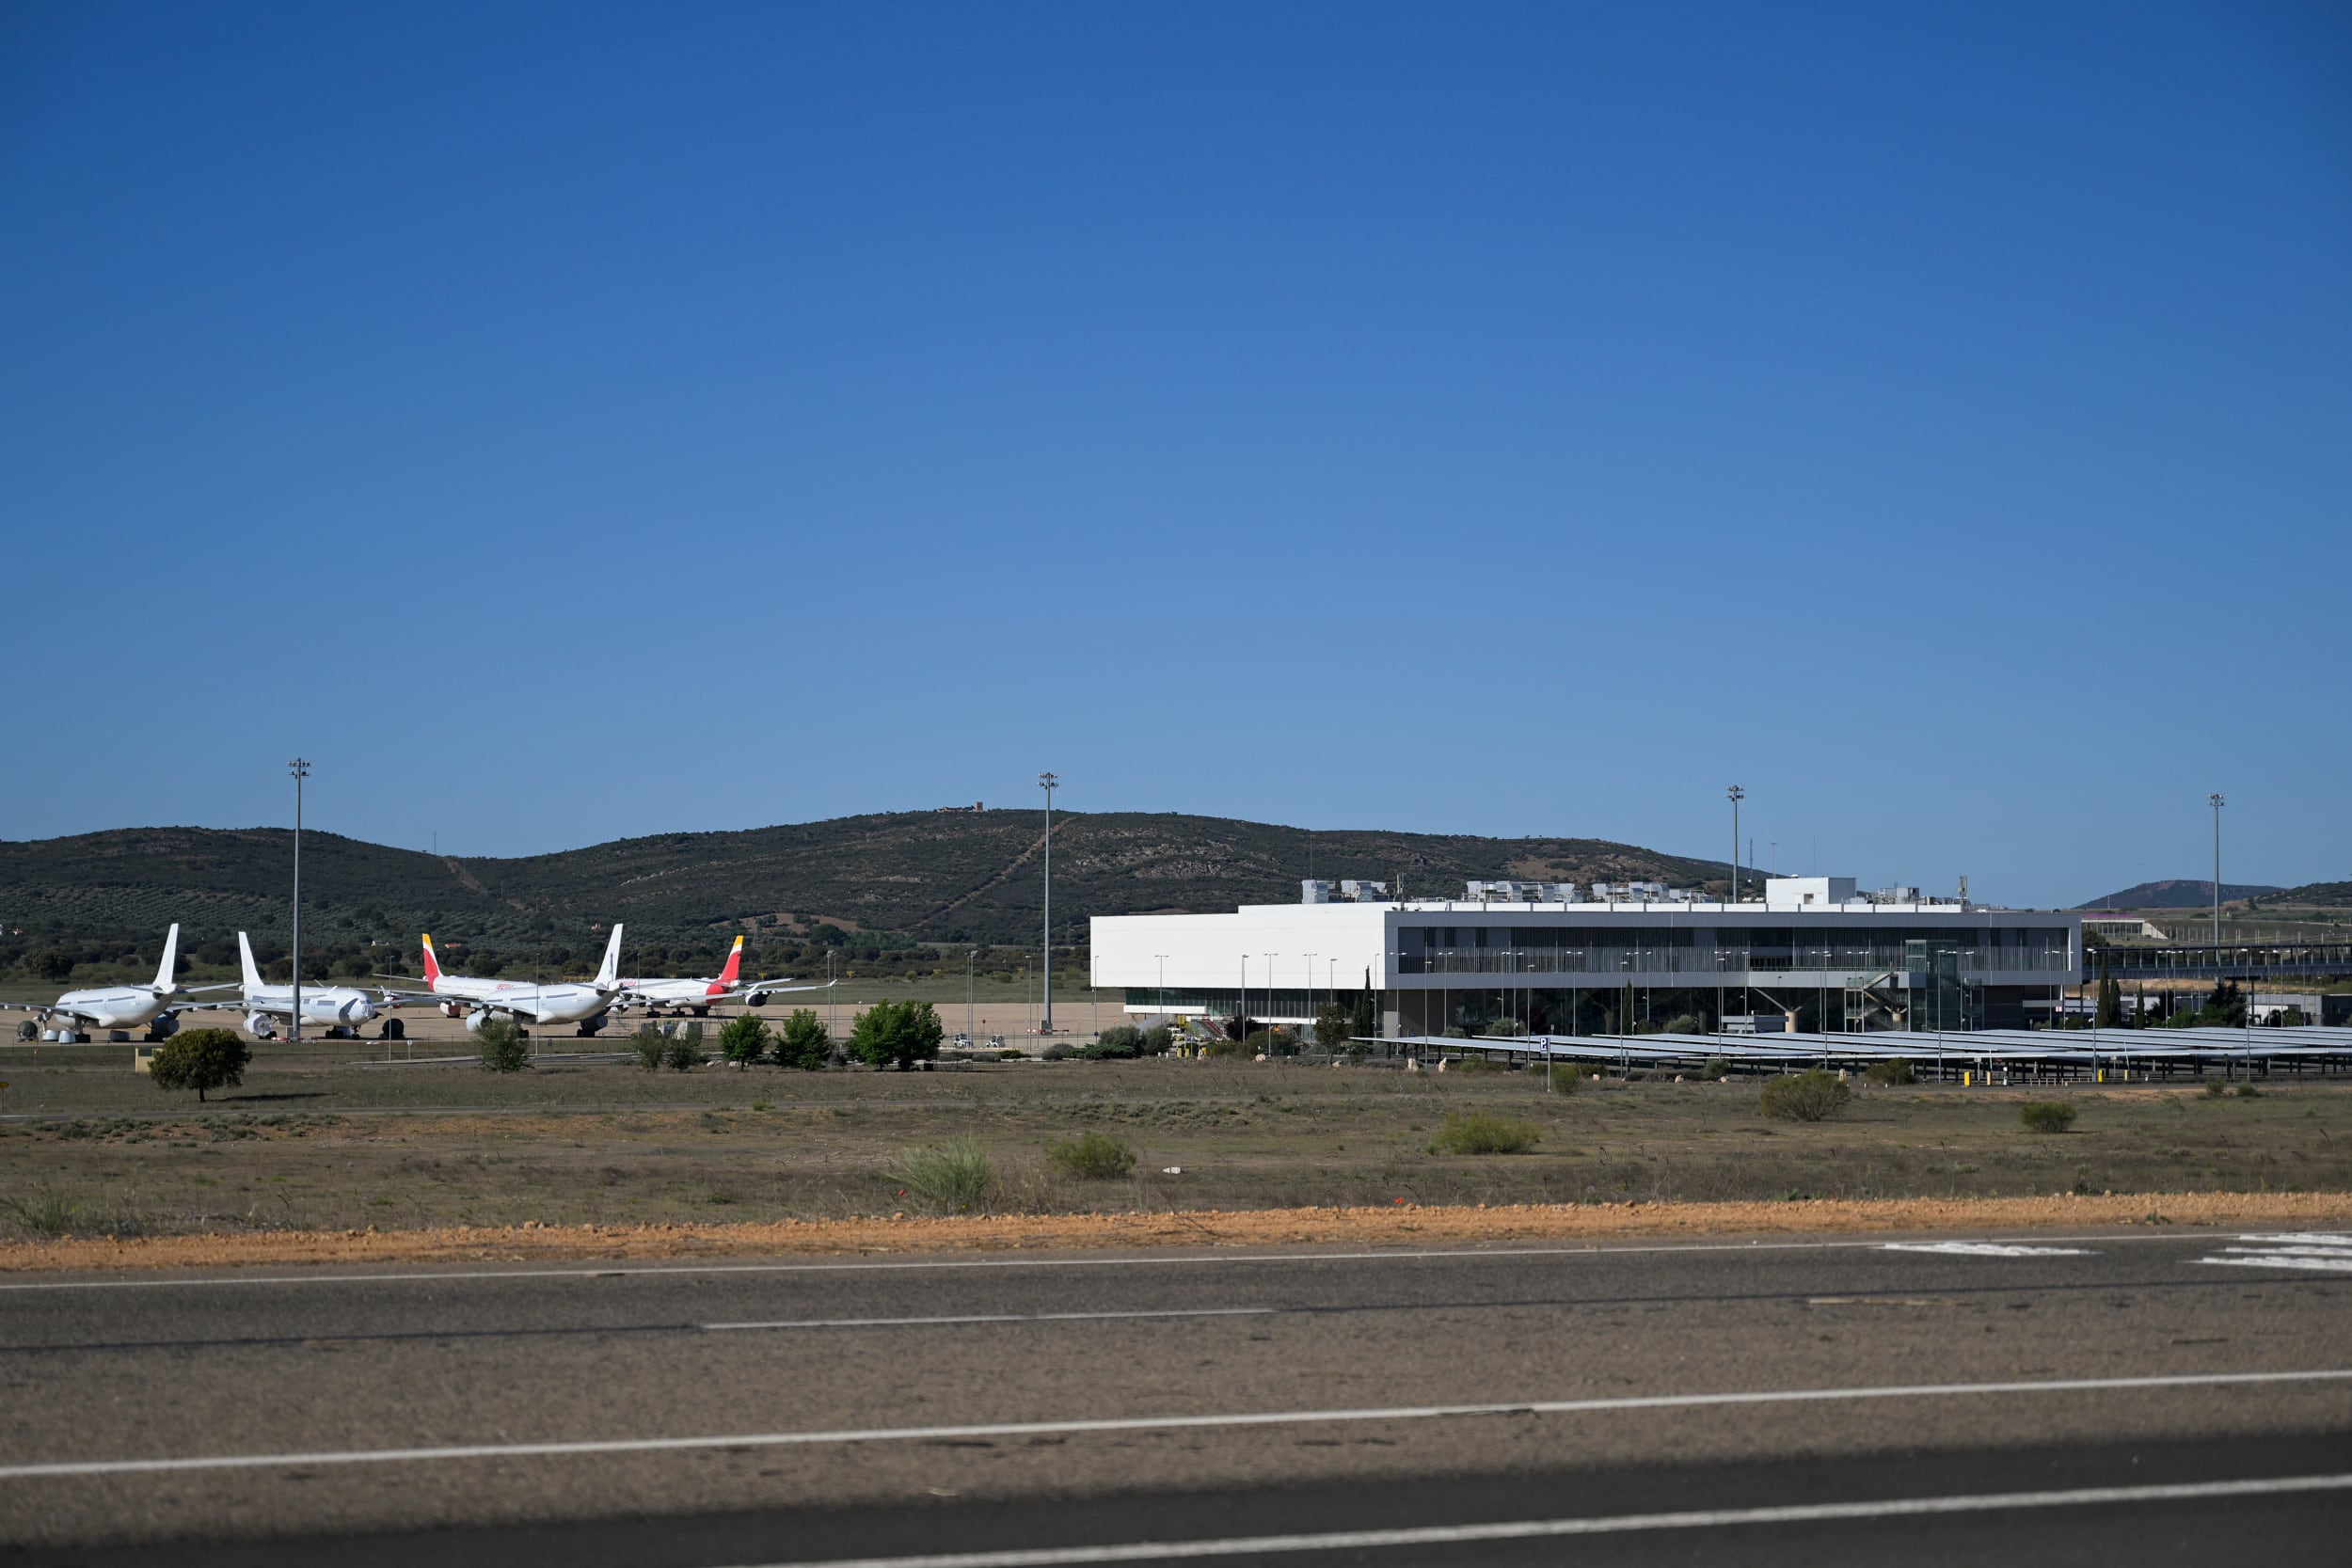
<point>1812,954</point>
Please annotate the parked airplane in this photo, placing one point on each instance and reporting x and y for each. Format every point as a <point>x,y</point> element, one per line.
<point>341,1008</point>
<point>113,1008</point>
<point>699,996</point>
<point>565,1001</point>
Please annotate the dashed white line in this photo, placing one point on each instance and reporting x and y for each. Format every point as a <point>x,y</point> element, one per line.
<point>1990,1249</point>
<point>2317,1251</point>
<point>55,1469</point>
<point>1620,1523</point>
<point>461,1276</point>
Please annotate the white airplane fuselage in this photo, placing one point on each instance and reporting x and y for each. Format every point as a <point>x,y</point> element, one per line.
<point>336,1007</point>
<point>562,1003</point>
<point>115,1007</point>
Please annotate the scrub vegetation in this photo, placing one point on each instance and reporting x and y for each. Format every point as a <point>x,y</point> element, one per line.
<point>313,1142</point>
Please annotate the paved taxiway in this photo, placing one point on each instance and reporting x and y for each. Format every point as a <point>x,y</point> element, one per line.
<point>2051,1393</point>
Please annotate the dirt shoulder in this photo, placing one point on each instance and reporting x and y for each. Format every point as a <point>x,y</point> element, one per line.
<point>1399,1225</point>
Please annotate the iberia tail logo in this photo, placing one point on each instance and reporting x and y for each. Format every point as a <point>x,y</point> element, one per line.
<point>735,964</point>
<point>432,964</point>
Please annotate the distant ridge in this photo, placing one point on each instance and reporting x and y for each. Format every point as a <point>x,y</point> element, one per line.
<point>935,877</point>
<point>2177,893</point>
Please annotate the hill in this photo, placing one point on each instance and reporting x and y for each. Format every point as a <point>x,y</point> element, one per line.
<point>2177,893</point>
<point>878,884</point>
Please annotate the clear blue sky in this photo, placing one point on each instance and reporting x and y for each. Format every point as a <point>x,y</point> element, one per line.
<point>572,421</point>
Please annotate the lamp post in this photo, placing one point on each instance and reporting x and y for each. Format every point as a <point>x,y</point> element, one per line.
<point>971,1033</point>
<point>300,768</point>
<point>2216,798</point>
<point>1047,782</point>
<point>1735,794</point>
<point>1162,998</point>
<point>1269,1004</point>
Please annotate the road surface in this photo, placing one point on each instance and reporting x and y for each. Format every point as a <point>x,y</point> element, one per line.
<point>2047,1398</point>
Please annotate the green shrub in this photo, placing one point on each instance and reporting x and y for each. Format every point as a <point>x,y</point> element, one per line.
<point>1716,1068</point>
<point>743,1040</point>
<point>1685,1023</point>
<point>1008,1054</point>
<point>1562,1077</point>
<point>1159,1041</point>
<point>1892,1071</point>
<point>1812,1095</point>
<point>2046,1116</point>
<point>1224,1048</point>
<point>685,1052</point>
<point>1095,1156</point>
<point>2215,1088</point>
<point>804,1043</point>
<point>1484,1133</point>
<point>897,1034</point>
<point>1060,1051</point>
<point>2247,1091</point>
<point>1118,1042</point>
<point>651,1046</point>
<point>956,1176</point>
<point>201,1060</point>
<point>502,1045</point>
<point>1504,1028</point>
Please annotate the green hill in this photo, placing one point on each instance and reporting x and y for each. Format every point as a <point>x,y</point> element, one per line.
<point>886,885</point>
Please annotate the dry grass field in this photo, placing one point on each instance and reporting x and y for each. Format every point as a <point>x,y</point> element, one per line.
<point>320,1143</point>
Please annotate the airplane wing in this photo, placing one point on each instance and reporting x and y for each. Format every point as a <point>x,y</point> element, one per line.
<point>748,986</point>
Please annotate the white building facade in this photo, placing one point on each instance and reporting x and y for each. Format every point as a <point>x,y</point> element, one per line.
<point>1811,954</point>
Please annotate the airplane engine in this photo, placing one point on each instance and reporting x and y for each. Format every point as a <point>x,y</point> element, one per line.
<point>261,1026</point>
<point>756,999</point>
<point>453,1009</point>
<point>475,1021</point>
<point>164,1027</point>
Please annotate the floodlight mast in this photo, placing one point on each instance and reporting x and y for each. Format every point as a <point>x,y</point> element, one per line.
<point>300,768</point>
<point>1048,783</point>
<point>2216,801</point>
<point>1735,794</point>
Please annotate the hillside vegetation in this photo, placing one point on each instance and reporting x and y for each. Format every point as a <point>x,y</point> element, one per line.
<point>893,888</point>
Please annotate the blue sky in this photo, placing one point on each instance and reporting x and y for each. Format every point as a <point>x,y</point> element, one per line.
<point>566,422</point>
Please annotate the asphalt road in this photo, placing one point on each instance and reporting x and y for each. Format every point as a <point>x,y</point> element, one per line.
<point>2184,1396</point>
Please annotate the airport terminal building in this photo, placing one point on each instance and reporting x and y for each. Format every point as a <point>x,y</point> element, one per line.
<point>1812,954</point>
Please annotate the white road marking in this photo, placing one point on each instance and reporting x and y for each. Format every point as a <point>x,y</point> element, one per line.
<point>1990,1249</point>
<point>1536,1530</point>
<point>1150,1423</point>
<point>1000,1317</point>
<point>593,1270</point>
<point>2318,1251</point>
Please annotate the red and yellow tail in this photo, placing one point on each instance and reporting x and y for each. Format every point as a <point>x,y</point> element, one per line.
<point>432,964</point>
<point>734,965</point>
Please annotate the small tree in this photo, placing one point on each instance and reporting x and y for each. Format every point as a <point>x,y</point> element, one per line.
<point>1331,1027</point>
<point>1364,1019</point>
<point>2111,1013</point>
<point>502,1045</point>
<point>805,1043</point>
<point>1093,1156</point>
<point>650,1044</point>
<point>2045,1116</point>
<point>1159,1041</point>
<point>201,1060</point>
<point>2226,1006</point>
<point>744,1040</point>
<point>897,1034</point>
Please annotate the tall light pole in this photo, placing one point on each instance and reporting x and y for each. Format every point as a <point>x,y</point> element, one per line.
<point>971,1037</point>
<point>1735,795</point>
<point>300,768</point>
<point>2217,879</point>
<point>1047,781</point>
<point>1162,997</point>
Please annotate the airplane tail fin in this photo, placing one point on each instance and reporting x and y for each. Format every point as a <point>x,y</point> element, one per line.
<point>432,964</point>
<point>609,973</point>
<point>735,964</point>
<point>166,973</point>
<point>244,955</point>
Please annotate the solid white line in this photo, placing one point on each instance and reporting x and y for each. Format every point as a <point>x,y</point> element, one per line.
<point>601,1271</point>
<point>1146,1423</point>
<point>2323,1265</point>
<point>1000,1317</point>
<point>1536,1530</point>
